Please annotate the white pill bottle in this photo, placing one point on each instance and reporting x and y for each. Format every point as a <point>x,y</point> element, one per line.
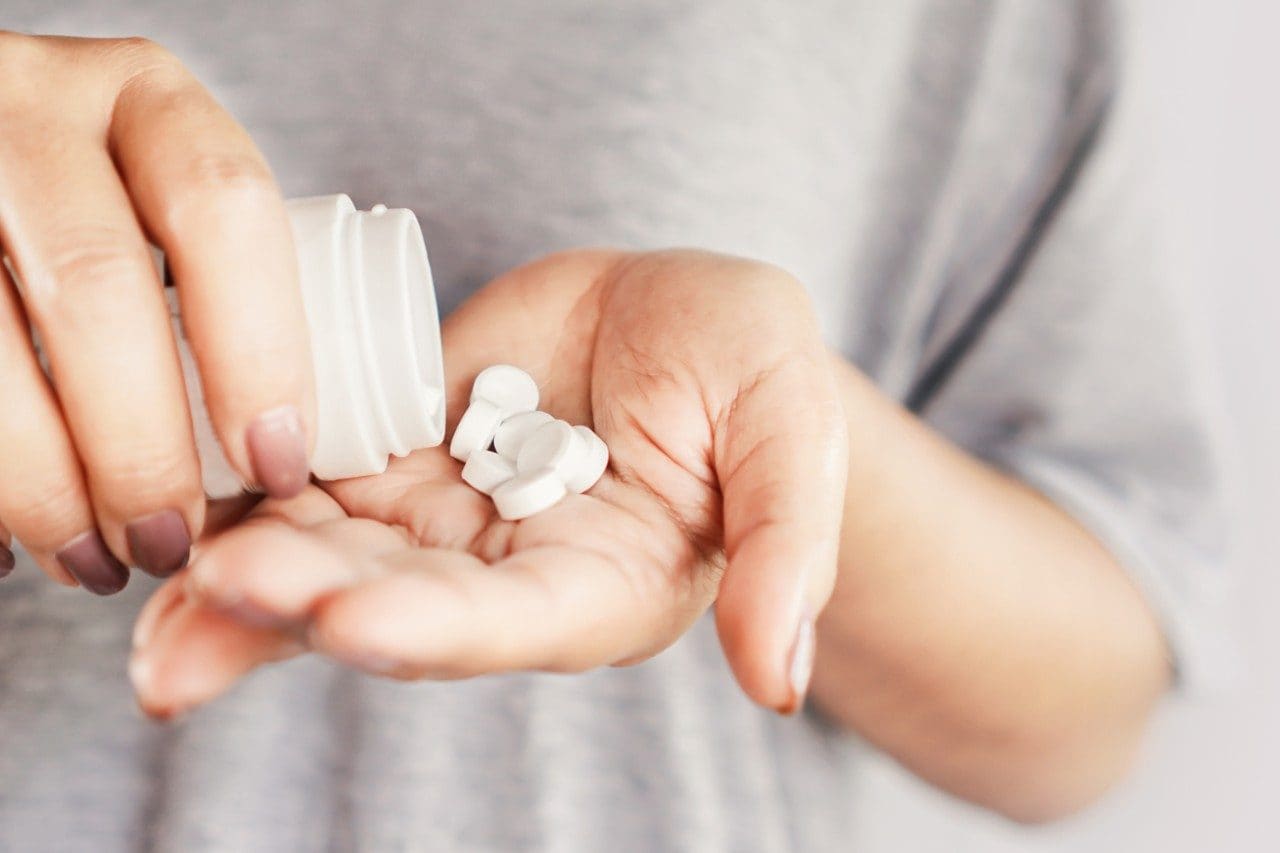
<point>375,342</point>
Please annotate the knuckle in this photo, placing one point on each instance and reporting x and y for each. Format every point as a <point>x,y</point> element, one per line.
<point>219,186</point>
<point>257,372</point>
<point>48,514</point>
<point>78,260</point>
<point>139,46</point>
<point>139,56</point>
<point>228,173</point>
<point>133,56</point>
<point>144,475</point>
<point>21,59</point>
<point>139,64</point>
<point>19,49</point>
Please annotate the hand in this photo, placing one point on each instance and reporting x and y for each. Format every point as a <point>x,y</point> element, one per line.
<point>706,377</point>
<point>109,144</point>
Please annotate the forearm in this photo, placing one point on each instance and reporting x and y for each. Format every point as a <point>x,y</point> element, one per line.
<point>977,633</point>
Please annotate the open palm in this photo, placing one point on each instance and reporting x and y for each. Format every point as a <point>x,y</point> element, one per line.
<point>706,378</point>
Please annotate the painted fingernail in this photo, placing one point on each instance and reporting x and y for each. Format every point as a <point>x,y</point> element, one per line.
<point>800,669</point>
<point>159,543</point>
<point>7,561</point>
<point>278,452</point>
<point>87,559</point>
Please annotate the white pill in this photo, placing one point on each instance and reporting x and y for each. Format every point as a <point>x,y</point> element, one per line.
<point>528,493</point>
<point>553,445</point>
<point>508,387</point>
<point>486,470</point>
<point>475,431</point>
<point>515,431</point>
<point>590,465</point>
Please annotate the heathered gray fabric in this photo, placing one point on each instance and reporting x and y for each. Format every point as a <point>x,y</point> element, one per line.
<point>919,164</point>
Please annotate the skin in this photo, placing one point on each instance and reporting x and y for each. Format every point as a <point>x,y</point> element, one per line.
<point>713,495</point>
<point>968,627</point>
<point>111,144</point>
<point>975,632</point>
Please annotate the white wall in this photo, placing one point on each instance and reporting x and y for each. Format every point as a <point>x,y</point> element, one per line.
<point>1210,779</point>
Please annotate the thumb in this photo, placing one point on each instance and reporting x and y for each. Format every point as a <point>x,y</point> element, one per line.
<point>780,454</point>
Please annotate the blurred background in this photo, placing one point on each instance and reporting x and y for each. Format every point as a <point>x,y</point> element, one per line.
<point>1204,76</point>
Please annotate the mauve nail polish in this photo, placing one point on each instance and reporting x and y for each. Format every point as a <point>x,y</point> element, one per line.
<point>278,452</point>
<point>7,561</point>
<point>159,543</point>
<point>87,559</point>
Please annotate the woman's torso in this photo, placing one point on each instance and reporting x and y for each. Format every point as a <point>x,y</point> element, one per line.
<point>844,141</point>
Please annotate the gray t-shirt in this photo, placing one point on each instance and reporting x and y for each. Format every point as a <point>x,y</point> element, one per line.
<point>948,178</point>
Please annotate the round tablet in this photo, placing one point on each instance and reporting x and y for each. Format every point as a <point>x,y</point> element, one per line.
<point>474,432</point>
<point>528,493</point>
<point>553,445</point>
<point>590,466</point>
<point>507,387</point>
<point>486,470</point>
<point>515,430</point>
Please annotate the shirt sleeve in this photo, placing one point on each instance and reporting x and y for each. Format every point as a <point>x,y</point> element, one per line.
<point>1078,374</point>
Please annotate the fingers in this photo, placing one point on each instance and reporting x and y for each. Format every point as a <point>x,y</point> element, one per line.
<point>440,614</point>
<point>782,472</point>
<point>207,196</point>
<point>186,654</point>
<point>92,293</point>
<point>7,559</point>
<point>266,573</point>
<point>365,596</point>
<point>102,470</point>
<point>44,500</point>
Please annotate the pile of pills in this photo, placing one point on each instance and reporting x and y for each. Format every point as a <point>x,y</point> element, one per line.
<point>535,459</point>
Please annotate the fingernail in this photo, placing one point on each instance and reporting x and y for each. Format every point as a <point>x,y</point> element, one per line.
<point>87,559</point>
<point>151,617</point>
<point>800,669</point>
<point>142,677</point>
<point>7,561</point>
<point>278,452</point>
<point>159,543</point>
<point>140,673</point>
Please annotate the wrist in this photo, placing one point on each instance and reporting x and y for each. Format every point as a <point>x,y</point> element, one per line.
<point>880,434</point>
